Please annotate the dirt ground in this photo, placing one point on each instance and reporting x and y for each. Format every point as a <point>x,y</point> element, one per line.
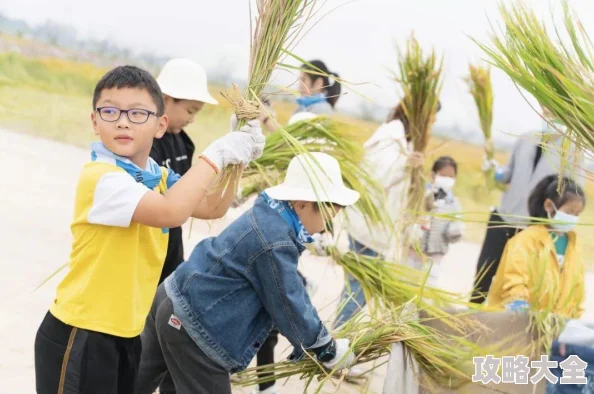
<point>36,204</point>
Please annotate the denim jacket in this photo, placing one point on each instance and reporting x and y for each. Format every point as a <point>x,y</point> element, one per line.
<point>235,287</point>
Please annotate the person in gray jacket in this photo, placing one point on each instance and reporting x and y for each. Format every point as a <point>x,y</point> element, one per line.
<point>532,159</point>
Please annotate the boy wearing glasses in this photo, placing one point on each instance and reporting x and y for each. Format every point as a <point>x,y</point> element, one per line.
<point>125,203</point>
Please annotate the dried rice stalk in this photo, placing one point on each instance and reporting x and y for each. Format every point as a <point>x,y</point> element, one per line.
<point>390,284</point>
<point>446,359</point>
<point>320,134</point>
<point>547,298</point>
<point>479,81</point>
<point>420,79</point>
<point>558,73</point>
<point>277,26</point>
<point>244,109</point>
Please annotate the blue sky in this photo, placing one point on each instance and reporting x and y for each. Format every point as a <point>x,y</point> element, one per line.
<point>356,40</point>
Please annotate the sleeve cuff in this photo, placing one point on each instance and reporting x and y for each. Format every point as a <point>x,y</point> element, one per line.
<point>324,338</point>
<point>517,306</point>
<point>499,174</point>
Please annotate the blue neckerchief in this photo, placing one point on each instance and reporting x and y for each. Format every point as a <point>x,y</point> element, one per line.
<point>287,212</point>
<point>150,179</point>
<point>517,306</point>
<point>307,101</point>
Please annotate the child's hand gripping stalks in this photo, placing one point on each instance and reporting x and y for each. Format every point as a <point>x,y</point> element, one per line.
<point>237,147</point>
<point>338,355</point>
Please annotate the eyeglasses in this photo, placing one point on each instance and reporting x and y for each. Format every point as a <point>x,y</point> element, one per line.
<point>135,115</point>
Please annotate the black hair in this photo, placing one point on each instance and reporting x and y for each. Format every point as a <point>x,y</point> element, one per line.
<point>130,77</point>
<point>444,161</point>
<point>332,91</point>
<point>548,189</point>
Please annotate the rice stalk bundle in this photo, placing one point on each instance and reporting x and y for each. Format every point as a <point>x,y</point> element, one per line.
<point>320,134</point>
<point>278,26</point>
<point>420,79</point>
<point>479,81</point>
<point>446,359</point>
<point>547,299</point>
<point>558,72</point>
<point>388,284</point>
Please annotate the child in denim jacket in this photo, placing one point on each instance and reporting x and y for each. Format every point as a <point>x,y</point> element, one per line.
<point>212,315</point>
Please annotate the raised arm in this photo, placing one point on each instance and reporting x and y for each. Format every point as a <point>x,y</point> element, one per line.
<point>185,197</point>
<point>118,200</point>
<point>178,204</point>
<point>216,203</point>
<point>503,174</point>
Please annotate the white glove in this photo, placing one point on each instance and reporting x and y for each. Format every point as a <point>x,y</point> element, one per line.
<point>321,243</point>
<point>254,128</point>
<point>237,147</point>
<point>230,149</point>
<point>344,355</point>
<point>489,164</point>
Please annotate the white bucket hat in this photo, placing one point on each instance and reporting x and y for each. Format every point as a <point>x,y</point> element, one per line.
<point>299,116</point>
<point>306,177</point>
<point>185,80</point>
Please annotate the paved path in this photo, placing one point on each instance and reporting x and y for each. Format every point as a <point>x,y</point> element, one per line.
<point>36,204</point>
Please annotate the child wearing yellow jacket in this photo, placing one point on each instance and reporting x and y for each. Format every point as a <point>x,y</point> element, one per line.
<point>541,267</point>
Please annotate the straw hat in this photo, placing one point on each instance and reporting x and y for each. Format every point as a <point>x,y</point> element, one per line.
<point>185,80</point>
<point>306,177</point>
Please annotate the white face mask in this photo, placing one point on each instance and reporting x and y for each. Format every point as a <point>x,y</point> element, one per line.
<point>444,182</point>
<point>568,221</point>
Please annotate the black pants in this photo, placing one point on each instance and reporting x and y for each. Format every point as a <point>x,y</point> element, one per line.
<point>498,233</point>
<point>70,360</point>
<point>265,356</point>
<point>174,259</point>
<point>168,349</point>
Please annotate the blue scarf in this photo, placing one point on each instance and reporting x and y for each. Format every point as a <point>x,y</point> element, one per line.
<point>287,212</point>
<point>149,179</point>
<point>307,101</point>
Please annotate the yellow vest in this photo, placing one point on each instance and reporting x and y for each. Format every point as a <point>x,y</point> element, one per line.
<point>114,271</point>
<point>529,271</point>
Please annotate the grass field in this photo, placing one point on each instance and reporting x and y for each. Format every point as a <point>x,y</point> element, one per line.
<point>52,98</point>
